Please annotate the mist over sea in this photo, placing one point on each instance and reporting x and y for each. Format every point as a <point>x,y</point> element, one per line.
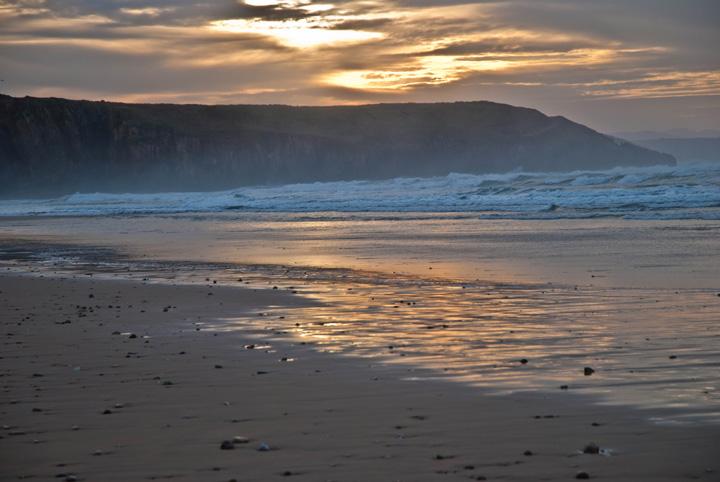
<point>685,191</point>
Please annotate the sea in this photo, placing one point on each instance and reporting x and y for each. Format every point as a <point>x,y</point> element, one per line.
<point>685,191</point>
<point>457,277</point>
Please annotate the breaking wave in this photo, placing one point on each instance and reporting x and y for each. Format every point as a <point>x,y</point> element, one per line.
<point>687,191</point>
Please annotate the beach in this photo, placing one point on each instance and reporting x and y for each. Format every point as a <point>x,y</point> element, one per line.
<point>355,348</point>
<point>121,380</point>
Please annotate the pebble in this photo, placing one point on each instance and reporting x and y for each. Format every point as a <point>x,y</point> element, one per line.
<point>263,447</point>
<point>582,475</point>
<point>591,448</point>
<point>227,445</point>
<point>588,371</point>
<point>524,361</point>
<point>240,440</point>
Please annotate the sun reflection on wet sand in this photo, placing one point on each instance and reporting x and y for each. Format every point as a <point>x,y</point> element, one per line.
<point>650,347</point>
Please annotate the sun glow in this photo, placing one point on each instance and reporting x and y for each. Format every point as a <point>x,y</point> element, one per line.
<point>299,33</point>
<point>432,70</point>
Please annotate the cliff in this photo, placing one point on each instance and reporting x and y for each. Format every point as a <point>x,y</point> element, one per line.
<point>54,146</point>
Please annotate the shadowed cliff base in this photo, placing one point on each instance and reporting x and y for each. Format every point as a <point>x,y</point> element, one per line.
<point>58,146</point>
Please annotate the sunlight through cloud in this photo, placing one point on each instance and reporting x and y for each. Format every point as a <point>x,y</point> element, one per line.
<point>299,33</point>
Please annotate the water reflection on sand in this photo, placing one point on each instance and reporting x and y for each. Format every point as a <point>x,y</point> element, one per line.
<point>653,342</point>
<point>652,348</point>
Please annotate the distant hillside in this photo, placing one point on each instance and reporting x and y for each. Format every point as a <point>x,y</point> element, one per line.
<point>687,149</point>
<point>54,146</point>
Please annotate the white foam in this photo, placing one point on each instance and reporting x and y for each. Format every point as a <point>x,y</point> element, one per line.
<point>690,191</point>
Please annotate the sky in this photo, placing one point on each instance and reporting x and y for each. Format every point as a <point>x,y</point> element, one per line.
<point>616,65</point>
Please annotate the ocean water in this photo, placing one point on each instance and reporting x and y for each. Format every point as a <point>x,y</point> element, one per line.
<point>687,191</point>
<point>456,277</point>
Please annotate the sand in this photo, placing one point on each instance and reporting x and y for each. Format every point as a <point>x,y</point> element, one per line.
<point>84,400</point>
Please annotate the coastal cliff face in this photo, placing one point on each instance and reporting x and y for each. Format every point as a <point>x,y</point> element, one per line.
<point>56,146</point>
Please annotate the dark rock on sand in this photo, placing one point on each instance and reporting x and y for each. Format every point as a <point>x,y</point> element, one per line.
<point>591,448</point>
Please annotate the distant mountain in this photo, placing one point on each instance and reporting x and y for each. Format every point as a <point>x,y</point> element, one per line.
<point>687,150</point>
<point>55,146</point>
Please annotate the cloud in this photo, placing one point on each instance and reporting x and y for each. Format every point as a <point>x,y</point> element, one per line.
<point>550,54</point>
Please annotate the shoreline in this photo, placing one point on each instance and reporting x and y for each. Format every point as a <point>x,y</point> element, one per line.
<point>325,417</point>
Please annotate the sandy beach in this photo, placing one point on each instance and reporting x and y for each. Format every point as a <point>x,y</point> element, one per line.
<point>123,381</point>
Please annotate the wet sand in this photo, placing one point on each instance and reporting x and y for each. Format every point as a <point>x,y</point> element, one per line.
<point>84,398</point>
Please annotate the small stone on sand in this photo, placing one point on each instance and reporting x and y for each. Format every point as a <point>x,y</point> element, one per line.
<point>591,448</point>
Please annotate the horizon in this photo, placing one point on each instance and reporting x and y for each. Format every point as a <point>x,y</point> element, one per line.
<point>615,67</point>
